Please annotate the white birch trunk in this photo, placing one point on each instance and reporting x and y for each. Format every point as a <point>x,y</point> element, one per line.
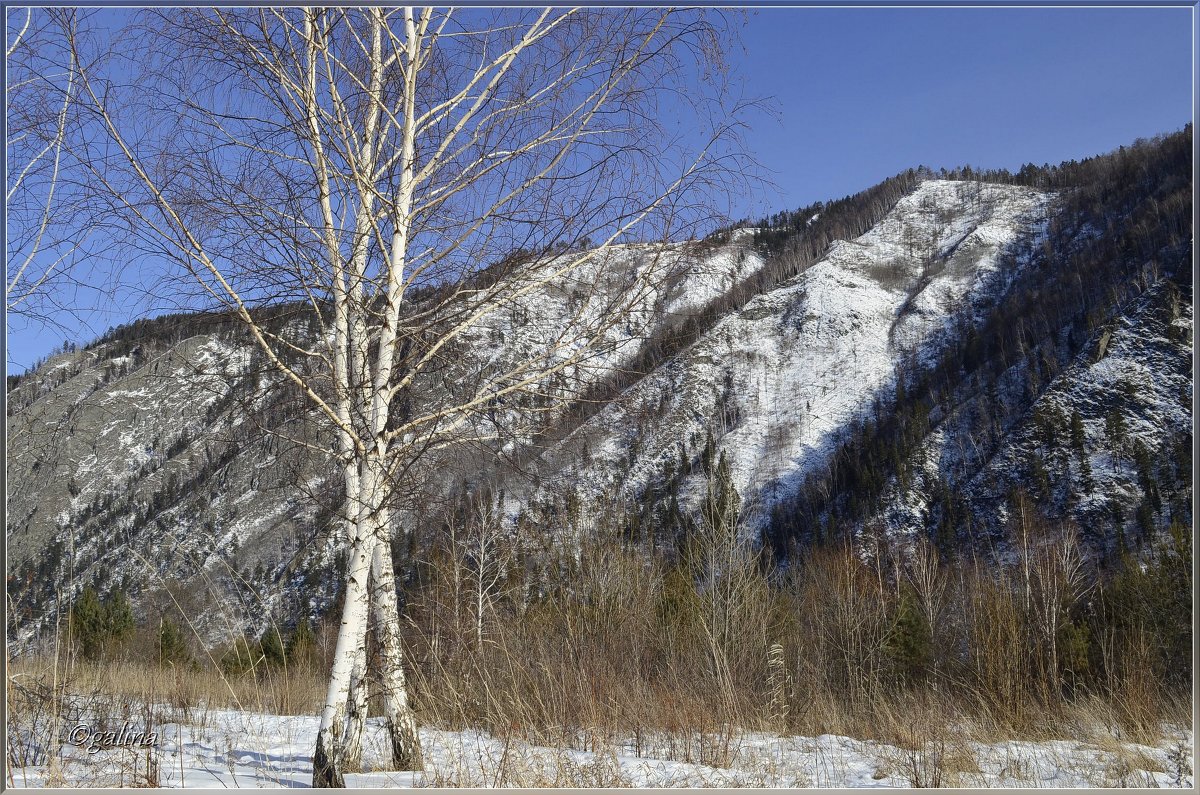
<point>356,715</point>
<point>398,715</point>
<point>399,720</point>
<point>327,757</point>
<point>389,148</point>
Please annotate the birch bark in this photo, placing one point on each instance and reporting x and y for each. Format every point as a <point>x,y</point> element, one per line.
<point>356,716</point>
<point>399,720</point>
<point>328,756</point>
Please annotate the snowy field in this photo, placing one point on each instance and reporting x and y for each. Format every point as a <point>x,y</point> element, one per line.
<point>223,749</point>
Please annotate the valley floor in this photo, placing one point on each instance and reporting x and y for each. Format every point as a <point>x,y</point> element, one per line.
<point>227,748</point>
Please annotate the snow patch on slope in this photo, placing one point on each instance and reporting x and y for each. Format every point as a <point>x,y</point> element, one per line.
<point>789,371</point>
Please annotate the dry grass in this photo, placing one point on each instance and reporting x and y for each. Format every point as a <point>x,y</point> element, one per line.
<point>631,654</point>
<point>633,650</point>
<point>280,692</point>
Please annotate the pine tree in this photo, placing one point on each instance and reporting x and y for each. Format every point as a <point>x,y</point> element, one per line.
<point>172,648</point>
<point>271,648</point>
<point>240,657</point>
<point>1114,429</point>
<point>710,448</point>
<point>1039,474</point>
<point>1078,435</point>
<point>1145,521</point>
<point>88,624</point>
<point>910,644</point>
<point>302,645</point>
<point>118,617</point>
<point>722,502</point>
<point>1085,473</point>
<point>1145,472</point>
<point>98,627</point>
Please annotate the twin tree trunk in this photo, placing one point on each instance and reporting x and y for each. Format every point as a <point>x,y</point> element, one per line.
<point>370,606</point>
<point>356,716</point>
<point>370,584</point>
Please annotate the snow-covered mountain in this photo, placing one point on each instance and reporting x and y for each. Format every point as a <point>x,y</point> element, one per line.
<point>777,381</point>
<point>907,359</point>
<point>1101,443</point>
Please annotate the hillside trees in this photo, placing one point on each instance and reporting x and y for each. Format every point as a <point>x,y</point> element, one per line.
<point>369,162</point>
<point>98,626</point>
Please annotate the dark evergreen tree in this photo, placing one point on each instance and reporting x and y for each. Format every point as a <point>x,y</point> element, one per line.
<point>88,624</point>
<point>172,647</point>
<point>271,648</point>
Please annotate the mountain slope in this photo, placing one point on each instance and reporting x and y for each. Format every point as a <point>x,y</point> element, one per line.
<point>1111,277</point>
<point>907,361</point>
<point>782,377</point>
<point>178,461</point>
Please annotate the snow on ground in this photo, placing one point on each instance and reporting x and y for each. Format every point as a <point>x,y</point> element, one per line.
<point>224,748</point>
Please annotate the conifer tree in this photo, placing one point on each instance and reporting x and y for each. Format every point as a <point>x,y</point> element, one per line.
<point>88,624</point>
<point>172,648</point>
<point>271,647</point>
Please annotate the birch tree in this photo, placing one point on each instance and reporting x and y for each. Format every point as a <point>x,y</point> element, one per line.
<point>426,182</point>
<point>41,243</point>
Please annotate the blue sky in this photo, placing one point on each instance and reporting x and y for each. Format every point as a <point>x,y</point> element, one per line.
<point>862,94</point>
<point>866,93</point>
